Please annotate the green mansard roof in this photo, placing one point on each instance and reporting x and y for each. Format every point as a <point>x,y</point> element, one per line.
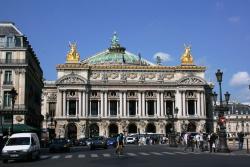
<point>116,54</point>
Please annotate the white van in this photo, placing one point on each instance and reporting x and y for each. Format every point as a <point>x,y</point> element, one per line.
<point>21,146</point>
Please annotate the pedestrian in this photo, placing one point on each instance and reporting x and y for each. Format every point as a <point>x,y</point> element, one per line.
<point>185,138</point>
<point>120,144</point>
<point>212,142</point>
<point>241,140</point>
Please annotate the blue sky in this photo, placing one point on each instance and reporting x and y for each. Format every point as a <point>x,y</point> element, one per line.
<point>218,30</point>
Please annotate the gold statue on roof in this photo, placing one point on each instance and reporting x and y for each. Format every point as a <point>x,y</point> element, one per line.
<point>73,56</point>
<point>187,58</point>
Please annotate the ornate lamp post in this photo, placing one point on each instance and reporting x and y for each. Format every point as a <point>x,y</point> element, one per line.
<point>13,94</point>
<point>172,118</point>
<point>222,147</point>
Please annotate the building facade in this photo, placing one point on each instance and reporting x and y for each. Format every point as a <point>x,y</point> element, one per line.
<point>237,119</point>
<point>19,69</point>
<point>117,91</point>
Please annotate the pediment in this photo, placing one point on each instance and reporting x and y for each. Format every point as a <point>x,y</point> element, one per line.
<point>192,81</point>
<point>71,79</point>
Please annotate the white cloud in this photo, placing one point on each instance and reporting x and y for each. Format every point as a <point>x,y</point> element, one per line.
<point>240,79</point>
<point>165,57</point>
<point>234,19</point>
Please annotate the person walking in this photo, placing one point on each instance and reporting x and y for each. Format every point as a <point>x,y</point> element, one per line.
<point>241,140</point>
<point>212,142</point>
<point>120,144</point>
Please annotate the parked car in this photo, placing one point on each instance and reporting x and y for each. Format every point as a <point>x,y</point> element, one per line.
<point>59,145</point>
<point>88,141</point>
<point>21,146</point>
<point>82,141</point>
<point>112,141</point>
<point>98,142</point>
<point>130,140</point>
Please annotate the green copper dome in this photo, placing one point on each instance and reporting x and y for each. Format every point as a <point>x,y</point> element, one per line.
<point>116,55</point>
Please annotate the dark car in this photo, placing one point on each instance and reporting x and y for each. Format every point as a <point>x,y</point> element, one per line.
<point>59,145</point>
<point>82,141</point>
<point>112,141</point>
<point>98,142</point>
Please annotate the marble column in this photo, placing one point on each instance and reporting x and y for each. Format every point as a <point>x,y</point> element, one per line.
<point>139,104</point>
<point>162,104</point>
<point>84,104</point>
<point>158,107</point>
<point>178,101</point>
<point>121,105</point>
<point>125,104</point>
<point>64,103</point>
<point>199,104</point>
<point>102,104</point>
<point>80,104</point>
<point>143,104</point>
<point>67,108</point>
<point>195,107</point>
<point>87,103</point>
<point>58,104</point>
<point>105,103</point>
<point>136,108</point>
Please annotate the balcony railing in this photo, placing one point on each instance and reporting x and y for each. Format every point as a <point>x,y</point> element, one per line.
<point>7,82</point>
<point>10,45</point>
<point>13,61</point>
<point>16,107</point>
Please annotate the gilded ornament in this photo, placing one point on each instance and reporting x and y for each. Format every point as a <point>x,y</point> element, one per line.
<point>73,56</point>
<point>187,58</point>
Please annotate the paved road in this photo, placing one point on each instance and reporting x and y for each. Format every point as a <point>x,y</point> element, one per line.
<point>151,156</point>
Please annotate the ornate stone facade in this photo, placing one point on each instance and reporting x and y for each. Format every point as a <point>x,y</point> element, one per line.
<point>113,92</point>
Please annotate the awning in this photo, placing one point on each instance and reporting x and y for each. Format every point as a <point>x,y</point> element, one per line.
<point>18,128</point>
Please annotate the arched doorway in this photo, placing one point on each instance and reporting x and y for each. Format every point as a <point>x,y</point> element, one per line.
<point>150,128</point>
<point>113,130</point>
<point>132,128</point>
<point>191,127</point>
<point>169,128</point>
<point>93,130</point>
<point>72,131</point>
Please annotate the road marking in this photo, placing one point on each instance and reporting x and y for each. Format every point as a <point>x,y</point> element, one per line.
<point>194,153</point>
<point>94,155</point>
<point>81,156</point>
<point>106,155</point>
<point>168,153</point>
<point>132,154</point>
<point>68,156</point>
<point>155,153</point>
<point>183,153</point>
<point>55,157</point>
<point>142,153</point>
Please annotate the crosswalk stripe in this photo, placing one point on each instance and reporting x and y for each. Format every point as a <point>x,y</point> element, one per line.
<point>142,153</point>
<point>155,153</point>
<point>94,155</point>
<point>81,156</point>
<point>168,153</point>
<point>184,153</point>
<point>106,155</point>
<point>55,157</point>
<point>68,156</point>
<point>132,154</point>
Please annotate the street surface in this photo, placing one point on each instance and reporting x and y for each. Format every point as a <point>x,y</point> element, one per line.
<point>139,156</point>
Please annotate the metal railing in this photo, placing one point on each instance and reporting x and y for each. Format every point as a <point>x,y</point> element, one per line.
<point>16,107</point>
<point>13,61</point>
<point>10,45</point>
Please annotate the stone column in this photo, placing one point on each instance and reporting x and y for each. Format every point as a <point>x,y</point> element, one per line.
<point>199,103</point>
<point>80,104</point>
<point>155,108</point>
<point>136,108</point>
<point>125,104</point>
<point>64,103</point>
<point>143,104</point>
<point>158,107</point>
<point>77,108</point>
<point>67,108</point>
<point>146,104</point>
<point>121,105</point>
<point>195,107</point>
<point>203,107</point>
<point>178,101</point>
<point>84,104</point>
<point>87,103</point>
<point>58,104</point>
<point>139,104</point>
<point>105,103</point>
<point>162,104</point>
<point>186,103</point>
<point>102,104</point>
<point>99,111</point>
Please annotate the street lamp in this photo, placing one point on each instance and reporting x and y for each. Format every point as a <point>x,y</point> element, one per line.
<point>222,147</point>
<point>13,94</point>
<point>172,117</point>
